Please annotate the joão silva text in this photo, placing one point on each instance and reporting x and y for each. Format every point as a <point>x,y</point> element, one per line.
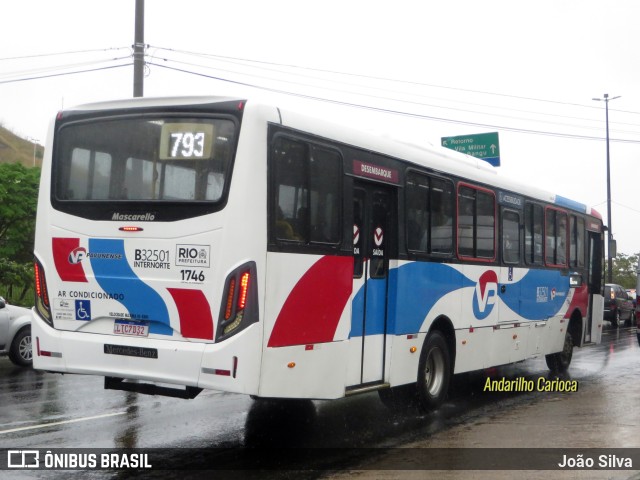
<point>604,461</point>
<point>523,385</point>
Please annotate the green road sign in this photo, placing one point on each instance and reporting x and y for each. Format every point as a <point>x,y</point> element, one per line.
<point>481,145</point>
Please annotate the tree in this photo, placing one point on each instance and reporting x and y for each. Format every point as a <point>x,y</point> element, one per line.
<point>624,269</point>
<point>18,202</point>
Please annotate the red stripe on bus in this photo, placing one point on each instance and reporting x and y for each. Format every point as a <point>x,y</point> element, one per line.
<point>194,312</point>
<point>66,251</point>
<point>580,301</point>
<point>313,309</point>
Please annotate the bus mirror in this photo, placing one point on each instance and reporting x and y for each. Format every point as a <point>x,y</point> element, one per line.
<point>575,280</point>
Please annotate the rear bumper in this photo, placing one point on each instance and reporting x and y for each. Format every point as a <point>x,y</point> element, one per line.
<point>226,366</point>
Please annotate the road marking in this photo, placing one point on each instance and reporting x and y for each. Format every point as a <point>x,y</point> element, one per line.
<point>44,425</point>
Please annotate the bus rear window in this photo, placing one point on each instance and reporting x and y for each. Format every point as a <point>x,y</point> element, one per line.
<point>143,159</point>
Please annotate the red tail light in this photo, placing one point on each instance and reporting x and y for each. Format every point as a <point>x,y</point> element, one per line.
<point>42,294</point>
<point>239,307</point>
<point>230,296</point>
<point>244,288</point>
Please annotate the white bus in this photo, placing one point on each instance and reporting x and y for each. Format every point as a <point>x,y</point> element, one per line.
<point>214,243</point>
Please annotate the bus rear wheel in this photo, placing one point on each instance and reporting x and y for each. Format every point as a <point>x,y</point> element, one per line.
<point>434,372</point>
<point>559,362</point>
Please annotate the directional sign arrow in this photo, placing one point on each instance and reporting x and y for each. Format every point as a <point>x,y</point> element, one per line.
<point>479,145</point>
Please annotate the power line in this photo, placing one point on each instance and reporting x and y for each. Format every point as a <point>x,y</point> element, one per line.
<point>70,52</point>
<point>391,111</point>
<point>54,68</point>
<point>387,79</point>
<point>251,63</point>
<point>25,79</point>
<point>378,97</point>
<point>241,63</point>
<point>627,207</point>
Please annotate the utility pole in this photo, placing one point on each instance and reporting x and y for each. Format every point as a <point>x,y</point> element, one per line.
<point>138,51</point>
<point>606,101</point>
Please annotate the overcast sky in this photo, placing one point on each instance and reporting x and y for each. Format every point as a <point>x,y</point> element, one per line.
<point>526,69</point>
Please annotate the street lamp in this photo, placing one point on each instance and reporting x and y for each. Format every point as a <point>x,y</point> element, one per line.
<point>606,101</point>
<point>35,146</point>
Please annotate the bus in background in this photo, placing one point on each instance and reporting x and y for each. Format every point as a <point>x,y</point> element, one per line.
<point>245,247</point>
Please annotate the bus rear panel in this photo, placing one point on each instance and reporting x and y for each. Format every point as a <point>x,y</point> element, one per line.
<point>134,214</point>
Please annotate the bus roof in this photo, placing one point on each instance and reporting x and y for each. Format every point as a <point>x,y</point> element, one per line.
<point>426,155</point>
<point>306,115</point>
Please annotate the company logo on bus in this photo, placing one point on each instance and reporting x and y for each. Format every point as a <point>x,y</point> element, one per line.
<point>485,294</point>
<point>77,255</point>
<point>138,217</point>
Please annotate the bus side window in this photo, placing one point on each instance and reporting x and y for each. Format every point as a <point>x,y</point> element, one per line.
<point>577,236</point>
<point>417,201</point>
<point>291,183</point>
<point>322,213</point>
<point>307,187</point>
<point>476,223</point>
<point>555,237</point>
<point>441,205</point>
<point>510,237</point>
<point>533,234</point>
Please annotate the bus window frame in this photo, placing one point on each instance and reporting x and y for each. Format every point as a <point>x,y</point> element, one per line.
<point>531,205</point>
<point>165,211</point>
<point>426,253</point>
<point>577,237</point>
<point>557,210</point>
<point>468,258</point>
<point>520,239</point>
<point>293,245</point>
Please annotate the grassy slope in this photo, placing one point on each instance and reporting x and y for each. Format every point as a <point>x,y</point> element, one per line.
<point>14,149</point>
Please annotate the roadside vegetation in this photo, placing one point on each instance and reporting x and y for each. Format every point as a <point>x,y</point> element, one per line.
<point>624,270</point>
<point>18,201</point>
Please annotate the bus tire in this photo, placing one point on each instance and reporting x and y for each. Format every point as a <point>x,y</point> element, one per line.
<point>434,372</point>
<point>559,362</point>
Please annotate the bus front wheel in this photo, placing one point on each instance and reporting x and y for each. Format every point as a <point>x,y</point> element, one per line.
<point>434,372</point>
<point>559,362</point>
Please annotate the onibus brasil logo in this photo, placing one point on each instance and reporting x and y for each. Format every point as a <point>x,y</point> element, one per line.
<point>485,294</point>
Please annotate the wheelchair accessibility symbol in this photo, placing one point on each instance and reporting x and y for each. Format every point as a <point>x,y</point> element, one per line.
<point>83,310</point>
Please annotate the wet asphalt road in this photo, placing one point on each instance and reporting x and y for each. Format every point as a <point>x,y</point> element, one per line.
<point>42,410</point>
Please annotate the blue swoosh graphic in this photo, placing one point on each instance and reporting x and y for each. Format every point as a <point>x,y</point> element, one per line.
<point>532,298</point>
<point>115,276</point>
<point>376,293</point>
<point>414,289</point>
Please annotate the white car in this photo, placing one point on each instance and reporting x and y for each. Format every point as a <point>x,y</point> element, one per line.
<point>15,333</point>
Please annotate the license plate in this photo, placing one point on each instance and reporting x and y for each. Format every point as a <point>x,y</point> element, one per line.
<point>131,328</point>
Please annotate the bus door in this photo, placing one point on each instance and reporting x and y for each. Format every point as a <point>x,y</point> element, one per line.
<point>513,339</point>
<point>371,243</point>
<point>593,330</point>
